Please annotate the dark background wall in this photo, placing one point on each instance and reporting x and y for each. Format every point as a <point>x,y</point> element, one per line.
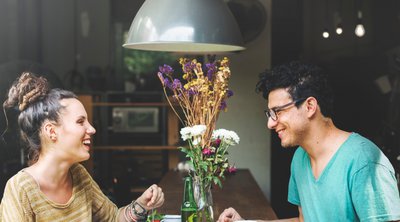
<point>353,65</point>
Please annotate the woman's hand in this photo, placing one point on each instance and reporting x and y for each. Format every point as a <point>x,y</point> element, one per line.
<point>152,198</point>
<point>229,215</point>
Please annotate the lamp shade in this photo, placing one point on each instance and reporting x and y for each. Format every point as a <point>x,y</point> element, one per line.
<point>202,26</point>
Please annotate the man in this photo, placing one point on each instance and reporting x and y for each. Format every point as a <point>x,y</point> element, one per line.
<point>335,175</point>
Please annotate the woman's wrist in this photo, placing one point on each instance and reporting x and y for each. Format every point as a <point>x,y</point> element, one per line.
<point>141,203</point>
<point>135,212</point>
<point>139,210</point>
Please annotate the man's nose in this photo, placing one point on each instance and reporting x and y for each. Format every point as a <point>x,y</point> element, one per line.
<point>271,123</point>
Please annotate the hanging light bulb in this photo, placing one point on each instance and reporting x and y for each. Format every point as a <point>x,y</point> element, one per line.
<point>339,29</point>
<point>325,33</point>
<point>338,21</point>
<point>360,30</point>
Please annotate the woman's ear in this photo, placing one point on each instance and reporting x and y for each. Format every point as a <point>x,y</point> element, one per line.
<point>49,131</point>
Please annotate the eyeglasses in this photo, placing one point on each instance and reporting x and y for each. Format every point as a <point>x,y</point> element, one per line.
<point>273,112</point>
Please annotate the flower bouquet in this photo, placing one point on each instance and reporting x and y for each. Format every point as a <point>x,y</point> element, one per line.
<point>201,96</point>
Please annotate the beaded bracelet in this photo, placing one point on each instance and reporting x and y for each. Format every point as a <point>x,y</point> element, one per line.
<point>128,218</point>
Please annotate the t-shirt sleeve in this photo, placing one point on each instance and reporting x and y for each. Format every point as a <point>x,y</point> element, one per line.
<point>15,204</point>
<point>375,193</point>
<point>103,208</point>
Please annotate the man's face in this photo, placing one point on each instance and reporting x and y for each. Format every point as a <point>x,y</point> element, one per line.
<point>291,122</point>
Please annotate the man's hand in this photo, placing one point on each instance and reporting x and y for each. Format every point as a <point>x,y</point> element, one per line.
<point>229,215</point>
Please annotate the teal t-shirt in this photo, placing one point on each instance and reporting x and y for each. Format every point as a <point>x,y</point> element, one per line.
<point>358,184</point>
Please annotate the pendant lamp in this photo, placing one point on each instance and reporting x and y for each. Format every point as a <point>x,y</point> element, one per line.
<point>190,26</point>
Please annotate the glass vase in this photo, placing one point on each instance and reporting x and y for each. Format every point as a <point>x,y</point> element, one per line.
<point>204,201</point>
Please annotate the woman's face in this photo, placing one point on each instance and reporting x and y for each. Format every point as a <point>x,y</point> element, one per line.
<point>74,132</point>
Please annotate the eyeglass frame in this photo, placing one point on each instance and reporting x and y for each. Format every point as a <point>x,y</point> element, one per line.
<point>277,109</point>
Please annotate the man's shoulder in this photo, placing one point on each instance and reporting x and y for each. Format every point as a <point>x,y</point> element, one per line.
<point>300,152</point>
<point>360,145</point>
<point>364,152</point>
<point>300,155</point>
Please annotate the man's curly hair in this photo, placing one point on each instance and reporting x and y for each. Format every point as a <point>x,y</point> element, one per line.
<point>301,81</point>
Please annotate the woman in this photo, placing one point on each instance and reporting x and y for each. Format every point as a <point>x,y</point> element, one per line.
<point>55,187</point>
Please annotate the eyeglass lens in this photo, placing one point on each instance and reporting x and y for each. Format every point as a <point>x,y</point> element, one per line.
<point>272,113</point>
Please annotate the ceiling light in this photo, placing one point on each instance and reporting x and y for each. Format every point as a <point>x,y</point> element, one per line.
<point>325,33</point>
<point>197,26</point>
<point>338,22</point>
<point>339,29</point>
<point>360,30</point>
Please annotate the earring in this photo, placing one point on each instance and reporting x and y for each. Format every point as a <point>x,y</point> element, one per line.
<point>53,137</point>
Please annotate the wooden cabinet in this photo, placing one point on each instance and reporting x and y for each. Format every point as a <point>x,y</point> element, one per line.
<point>125,163</point>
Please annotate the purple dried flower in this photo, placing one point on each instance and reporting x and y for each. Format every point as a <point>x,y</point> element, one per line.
<point>229,93</point>
<point>223,105</point>
<point>176,84</point>
<point>167,83</point>
<point>189,66</point>
<point>192,92</point>
<point>212,69</point>
<point>166,69</point>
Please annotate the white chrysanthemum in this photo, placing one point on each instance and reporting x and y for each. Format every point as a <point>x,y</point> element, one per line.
<point>198,130</point>
<point>196,140</point>
<point>185,133</point>
<point>192,131</point>
<point>229,137</point>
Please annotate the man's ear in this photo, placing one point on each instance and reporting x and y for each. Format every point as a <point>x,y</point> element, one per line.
<point>311,105</point>
<point>49,131</point>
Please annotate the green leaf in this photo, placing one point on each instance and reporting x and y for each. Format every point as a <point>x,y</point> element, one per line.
<point>154,216</point>
<point>183,149</point>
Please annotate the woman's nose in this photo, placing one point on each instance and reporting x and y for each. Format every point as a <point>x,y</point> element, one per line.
<point>91,130</point>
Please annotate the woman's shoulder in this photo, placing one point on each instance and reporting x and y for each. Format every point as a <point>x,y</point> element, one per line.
<point>20,185</point>
<point>80,175</point>
<point>22,179</point>
<point>17,194</point>
<point>79,168</point>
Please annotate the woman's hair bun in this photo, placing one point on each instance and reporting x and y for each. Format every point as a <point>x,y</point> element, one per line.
<point>27,89</point>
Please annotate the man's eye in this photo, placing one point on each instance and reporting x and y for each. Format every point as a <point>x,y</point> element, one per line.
<point>277,111</point>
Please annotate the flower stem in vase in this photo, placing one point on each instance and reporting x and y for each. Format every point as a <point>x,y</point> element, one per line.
<point>203,197</point>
